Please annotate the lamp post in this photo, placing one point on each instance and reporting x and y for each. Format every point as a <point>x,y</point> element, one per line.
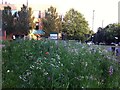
<point>93,21</point>
<point>27,16</point>
<point>102,23</point>
<point>27,3</point>
<point>119,12</point>
<point>2,1</point>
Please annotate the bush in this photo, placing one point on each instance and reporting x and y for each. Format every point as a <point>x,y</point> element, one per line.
<point>58,64</point>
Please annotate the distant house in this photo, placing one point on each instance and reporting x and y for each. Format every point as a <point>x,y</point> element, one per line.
<point>38,27</point>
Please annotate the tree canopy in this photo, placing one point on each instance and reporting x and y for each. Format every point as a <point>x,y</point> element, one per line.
<point>7,22</point>
<point>18,23</point>
<point>52,21</point>
<point>24,20</point>
<point>107,35</point>
<point>75,25</point>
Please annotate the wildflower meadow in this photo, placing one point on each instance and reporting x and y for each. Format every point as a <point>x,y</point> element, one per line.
<point>58,64</point>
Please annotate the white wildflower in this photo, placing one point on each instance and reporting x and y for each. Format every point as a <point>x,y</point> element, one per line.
<point>43,70</point>
<point>58,57</point>
<point>38,67</point>
<point>87,77</point>
<point>20,77</point>
<point>52,65</point>
<point>32,66</point>
<point>86,64</point>
<point>57,66</point>
<point>72,64</point>
<point>83,47</point>
<point>46,73</point>
<point>91,77</point>
<point>53,59</point>
<point>28,73</point>
<point>61,64</point>
<point>8,70</point>
<point>82,77</point>
<point>56,42</point>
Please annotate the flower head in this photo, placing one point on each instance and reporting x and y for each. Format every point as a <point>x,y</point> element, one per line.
<point>111,70</point>
<point>49,78</point>
<point>8,70</point>
<point>47,53</point>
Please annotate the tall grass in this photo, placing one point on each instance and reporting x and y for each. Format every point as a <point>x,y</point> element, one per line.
<point>58,64</point>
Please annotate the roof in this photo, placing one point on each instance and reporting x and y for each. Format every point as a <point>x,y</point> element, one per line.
<point>41,32</point>
<point>13,7</point>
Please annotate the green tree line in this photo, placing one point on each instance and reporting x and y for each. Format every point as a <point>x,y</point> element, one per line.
<point>107,35</point>
<point>18,23</point>
<point>73,24</point>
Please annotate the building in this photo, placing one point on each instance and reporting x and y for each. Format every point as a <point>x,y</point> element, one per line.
<point>39,24</point>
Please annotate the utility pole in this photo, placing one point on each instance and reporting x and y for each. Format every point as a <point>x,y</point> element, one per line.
<point>27,4</point>
<point>102,23</point>
<point>93,21</point>
<point>27,15</point>
<point>2,1</point>
<point>119,12</point>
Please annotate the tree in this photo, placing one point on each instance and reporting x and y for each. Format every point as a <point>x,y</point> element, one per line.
<point>99,36</point>
<point>108,34</point>
<point>31,19</point>
<point>112,31</point>
<point>75,25</point>
<point>24,21</point>
<point>7,20</point>
<point>52,21</point>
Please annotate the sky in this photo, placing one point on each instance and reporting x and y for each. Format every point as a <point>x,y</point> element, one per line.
<point>105,11</point>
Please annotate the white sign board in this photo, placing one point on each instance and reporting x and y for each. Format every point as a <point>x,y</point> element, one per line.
<point>53,36</point>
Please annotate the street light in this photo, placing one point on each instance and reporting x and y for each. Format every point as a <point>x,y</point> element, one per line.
<point>102,23</point>
<point>93,21</point>
<point>27,3</point>
<point>2,1</point>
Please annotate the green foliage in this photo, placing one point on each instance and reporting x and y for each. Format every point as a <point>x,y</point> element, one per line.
<point>57,64</point>
<point>52,21</point>
<point>31,19</point>
<point>18,23</point>
<point>108,34</point>
<point>75,25</point>
<point>24,21</point>
<point>7,20</point>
